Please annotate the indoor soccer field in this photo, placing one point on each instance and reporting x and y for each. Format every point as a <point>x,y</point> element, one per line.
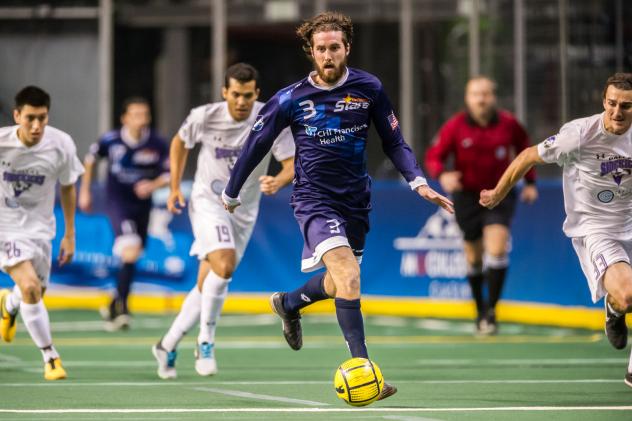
<point>442,371</point>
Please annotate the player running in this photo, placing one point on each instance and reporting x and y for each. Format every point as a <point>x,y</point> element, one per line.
<point>329,113</point>
<point>596,155</point>
<point>137,166</point>
<point>220,238</point>
<point>33,157</point>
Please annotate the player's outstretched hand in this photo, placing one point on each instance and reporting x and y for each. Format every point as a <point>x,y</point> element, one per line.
<point>144,188</point>
<point>269,185</point>
<point>489,199</point>
<point>85,201</point>
<point>529,194</point>
<point>432,196</point>
<point>66,250</point>
<point>175,202</point>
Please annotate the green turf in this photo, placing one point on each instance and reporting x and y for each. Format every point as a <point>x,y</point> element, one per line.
<point>436,365</point>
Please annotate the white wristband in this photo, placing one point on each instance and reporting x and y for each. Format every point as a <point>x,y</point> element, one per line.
<point>230,201</point>
<point>418,181</point>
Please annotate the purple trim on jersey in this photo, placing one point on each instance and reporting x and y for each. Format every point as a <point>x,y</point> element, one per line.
<point>330,129</point>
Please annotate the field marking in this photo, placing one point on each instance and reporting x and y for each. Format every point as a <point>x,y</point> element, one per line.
<point>169,383</point>
<point>316,410</point>
<point>8,361</point>
<point>248,395</point>
<point>526,361</point>
<point>328,342</point>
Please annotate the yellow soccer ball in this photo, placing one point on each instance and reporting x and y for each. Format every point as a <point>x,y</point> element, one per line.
<point>358,381</point>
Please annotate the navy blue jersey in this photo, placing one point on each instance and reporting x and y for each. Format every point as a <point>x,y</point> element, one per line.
<point>330,128</point>
<point>129,163</point>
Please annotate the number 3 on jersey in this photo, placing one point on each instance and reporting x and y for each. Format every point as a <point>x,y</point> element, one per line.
<point>308,109</point>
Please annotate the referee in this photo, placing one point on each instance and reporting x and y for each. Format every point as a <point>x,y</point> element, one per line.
<point>480,142</point>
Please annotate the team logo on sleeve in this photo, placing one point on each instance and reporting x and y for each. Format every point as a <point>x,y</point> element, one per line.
<point>392,120</point>
<point>258,124</point>
<point>548,142</point>
<point>351,103</point>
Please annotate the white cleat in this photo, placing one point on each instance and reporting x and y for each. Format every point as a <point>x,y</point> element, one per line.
<point>166,361</point>
<point>205,363</point>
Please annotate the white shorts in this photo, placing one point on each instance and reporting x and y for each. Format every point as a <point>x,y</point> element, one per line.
<point>39,252</point>
<point>214,228</point>
<point>596,253</point>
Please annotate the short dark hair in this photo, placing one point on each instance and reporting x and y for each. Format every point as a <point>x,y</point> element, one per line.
<point>33,96</point>
<point>619,80</point>
<point>326,21</point>
<point>242,73</point>
<point>133,100</point>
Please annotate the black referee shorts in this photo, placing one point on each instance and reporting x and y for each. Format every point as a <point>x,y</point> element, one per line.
<point>472,217</point>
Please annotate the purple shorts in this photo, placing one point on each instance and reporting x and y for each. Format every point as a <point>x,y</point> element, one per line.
<point>130,225</point>
<point>325,226</point>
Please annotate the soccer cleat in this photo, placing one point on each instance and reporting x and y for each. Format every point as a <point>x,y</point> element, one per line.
<point>205,363</point>
<point>387,390</point>
<point>53,370</point>
<point>492,326</point>
<point>481,327</point>
<point>628,379</point>
<point>291,321</point>
<point>8,322</point>
<point>616,329</point>
<point>166,361</point>
<point>114,322</point>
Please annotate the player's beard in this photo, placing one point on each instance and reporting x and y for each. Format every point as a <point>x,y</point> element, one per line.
<point>331,77</point>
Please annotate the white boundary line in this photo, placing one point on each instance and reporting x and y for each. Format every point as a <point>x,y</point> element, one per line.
<point>315,410</point>
<point>240,394</point>
<point>305,382</point>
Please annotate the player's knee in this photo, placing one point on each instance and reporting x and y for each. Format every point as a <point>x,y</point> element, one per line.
<point>31,291</point>
<point>224,269</point>
<point>349,288</point>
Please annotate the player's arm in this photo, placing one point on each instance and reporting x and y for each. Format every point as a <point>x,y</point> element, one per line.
<point>272,119</point>
<point>400,153</point>
<point>89,162</point>
<point>68,201</point>
<point>516,170</point>
<point>178,154</point>
<point>529,193</point>
<point>271,184</point>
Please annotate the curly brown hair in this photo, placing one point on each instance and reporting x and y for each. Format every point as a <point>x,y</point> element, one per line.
<point>326,21</point>
<point>619,80</point>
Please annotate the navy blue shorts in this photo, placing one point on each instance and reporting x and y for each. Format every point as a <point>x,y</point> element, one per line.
<point>130,224</point>
<point>326,226</point>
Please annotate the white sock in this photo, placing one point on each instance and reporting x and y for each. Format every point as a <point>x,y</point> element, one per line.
<point>35,318</point>
<point>214,293</point>
<point>12,302</point>
<point>187,318</point>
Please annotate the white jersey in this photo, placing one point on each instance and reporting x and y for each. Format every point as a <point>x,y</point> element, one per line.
<point>222,139</point>
<point>29,177</point>
<point>597,167</point>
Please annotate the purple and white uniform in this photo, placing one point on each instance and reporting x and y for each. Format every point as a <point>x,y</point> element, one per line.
<point>129,162</point>
<point>331,197</point>
<point>597,181</point>
<point>28,176</point>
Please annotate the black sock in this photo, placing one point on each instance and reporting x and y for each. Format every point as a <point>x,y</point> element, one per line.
<point>313,290</point>
<point>124,280</point>
<point>476,284</point>
<point>496,280</point>
<point>352,326</point>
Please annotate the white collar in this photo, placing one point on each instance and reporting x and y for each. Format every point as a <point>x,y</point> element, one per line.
<point>133,143</point>
<point>340,82</point>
